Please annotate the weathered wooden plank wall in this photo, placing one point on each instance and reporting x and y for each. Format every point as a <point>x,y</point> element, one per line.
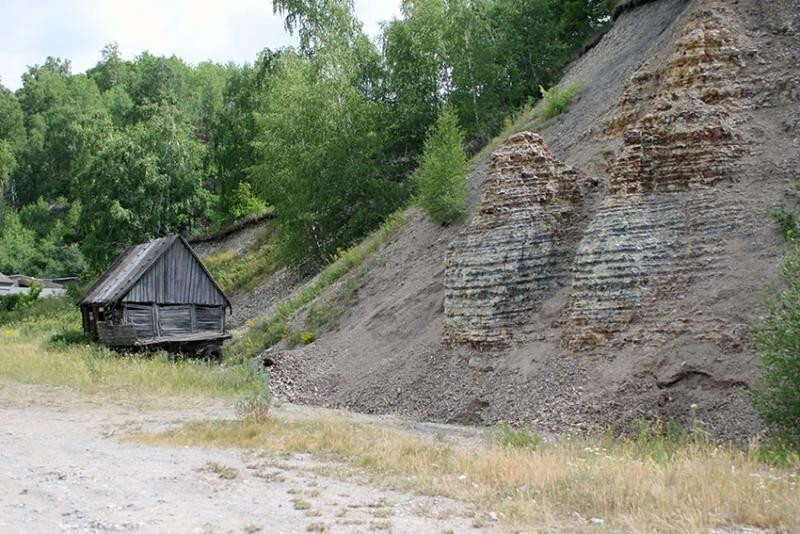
<point>176,278</point>
<point>120,335</point>
<point>175,320</point>
<point>209,319</point>
<point>141,317</point>
<point>151,321</point>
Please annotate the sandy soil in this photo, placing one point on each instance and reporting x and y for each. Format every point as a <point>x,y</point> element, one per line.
<point>66,467</point>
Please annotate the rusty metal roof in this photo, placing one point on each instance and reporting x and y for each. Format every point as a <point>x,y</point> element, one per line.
<point>126,271</point>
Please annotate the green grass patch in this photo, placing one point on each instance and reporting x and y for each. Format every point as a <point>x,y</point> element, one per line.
<point>556,100</point>
<point>243,271</point>
<point>533,116</point>
<point>43,344</point>
<point>508,436</point>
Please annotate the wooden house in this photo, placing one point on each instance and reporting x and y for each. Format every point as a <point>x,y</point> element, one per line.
<point>157,294</point>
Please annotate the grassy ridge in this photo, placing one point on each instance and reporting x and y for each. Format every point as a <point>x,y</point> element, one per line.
<point>243,271</point>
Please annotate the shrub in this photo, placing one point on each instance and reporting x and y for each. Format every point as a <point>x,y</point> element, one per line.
<point>20,301</point>
<point>787,220</point>
<point>557,100</point>
<point>255,405</point>
<point>777,398</point>
<point>440,178</point>
<point>508,436</point>
<point>307,337</point>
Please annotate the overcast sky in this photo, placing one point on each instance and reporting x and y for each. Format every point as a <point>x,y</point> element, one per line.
<point>194,30</point>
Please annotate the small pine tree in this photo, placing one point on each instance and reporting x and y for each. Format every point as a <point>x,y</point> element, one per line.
<point>440,178</point>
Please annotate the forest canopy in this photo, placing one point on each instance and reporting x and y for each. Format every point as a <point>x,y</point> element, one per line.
<point>327,134</point>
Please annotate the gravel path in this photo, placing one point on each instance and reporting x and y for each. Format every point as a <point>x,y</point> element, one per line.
<point>64,468</point>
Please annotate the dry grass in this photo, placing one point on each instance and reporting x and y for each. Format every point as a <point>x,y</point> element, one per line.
<point>224,472</point>
<point>629,484</point>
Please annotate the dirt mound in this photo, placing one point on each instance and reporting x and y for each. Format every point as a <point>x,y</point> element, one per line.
<point>686,131</point>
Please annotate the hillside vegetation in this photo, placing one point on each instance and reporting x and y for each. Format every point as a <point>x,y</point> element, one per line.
<point>327,133</point>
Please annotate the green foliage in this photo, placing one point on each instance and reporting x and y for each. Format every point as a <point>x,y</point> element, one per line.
<point>557,100</point>
<point>777,398</point>
<point>255,404</point>
<point>318,144</point>
<point>146,182</point>
<point>20,301</point>
<point>441,176</point>
<point>327,134</point>
<point>306,337</point>
<point>19,252</point>
<point>508,436</point>
<point>243,203</point>
<point>39,241</point>
<point>484,57</point>
<point>660,441</point>
<point>787,220</point>
<point>777,451</point>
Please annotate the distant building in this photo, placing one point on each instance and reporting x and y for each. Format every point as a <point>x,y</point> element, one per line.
<point>6,284</point>
<point>157,294</point>
<point>19,283</point>
<point>22,284</point>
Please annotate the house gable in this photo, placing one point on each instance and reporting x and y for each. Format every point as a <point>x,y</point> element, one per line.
<point>176,277</point>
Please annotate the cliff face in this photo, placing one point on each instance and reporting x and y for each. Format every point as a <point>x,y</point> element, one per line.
<point>511,257</point>
<point>662,224</point>
<point>615,261</point>
<point>660,227</point>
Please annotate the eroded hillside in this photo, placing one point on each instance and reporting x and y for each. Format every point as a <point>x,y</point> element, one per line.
<point>615,259</point>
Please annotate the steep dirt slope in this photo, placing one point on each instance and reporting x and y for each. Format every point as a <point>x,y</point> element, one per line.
<point>612,268</point>
<point>242,242</point>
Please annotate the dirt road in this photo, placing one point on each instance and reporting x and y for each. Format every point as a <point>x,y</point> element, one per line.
<point>65,467</point>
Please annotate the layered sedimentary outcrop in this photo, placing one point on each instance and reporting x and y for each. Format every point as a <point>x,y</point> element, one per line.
<point>662,226</point>
<point>500,269</point>
<point>706,65</point>
<point>659,228</point>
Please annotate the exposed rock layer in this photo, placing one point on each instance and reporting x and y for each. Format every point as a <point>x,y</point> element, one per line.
<point>659,228</point>
<point>499,270</point>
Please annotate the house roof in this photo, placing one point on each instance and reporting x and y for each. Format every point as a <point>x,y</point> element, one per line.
<point>5,280</point>
<point>130,266</point>
<point>25,281</point>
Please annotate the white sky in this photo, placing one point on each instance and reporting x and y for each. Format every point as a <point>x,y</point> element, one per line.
<point>194,30</point>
